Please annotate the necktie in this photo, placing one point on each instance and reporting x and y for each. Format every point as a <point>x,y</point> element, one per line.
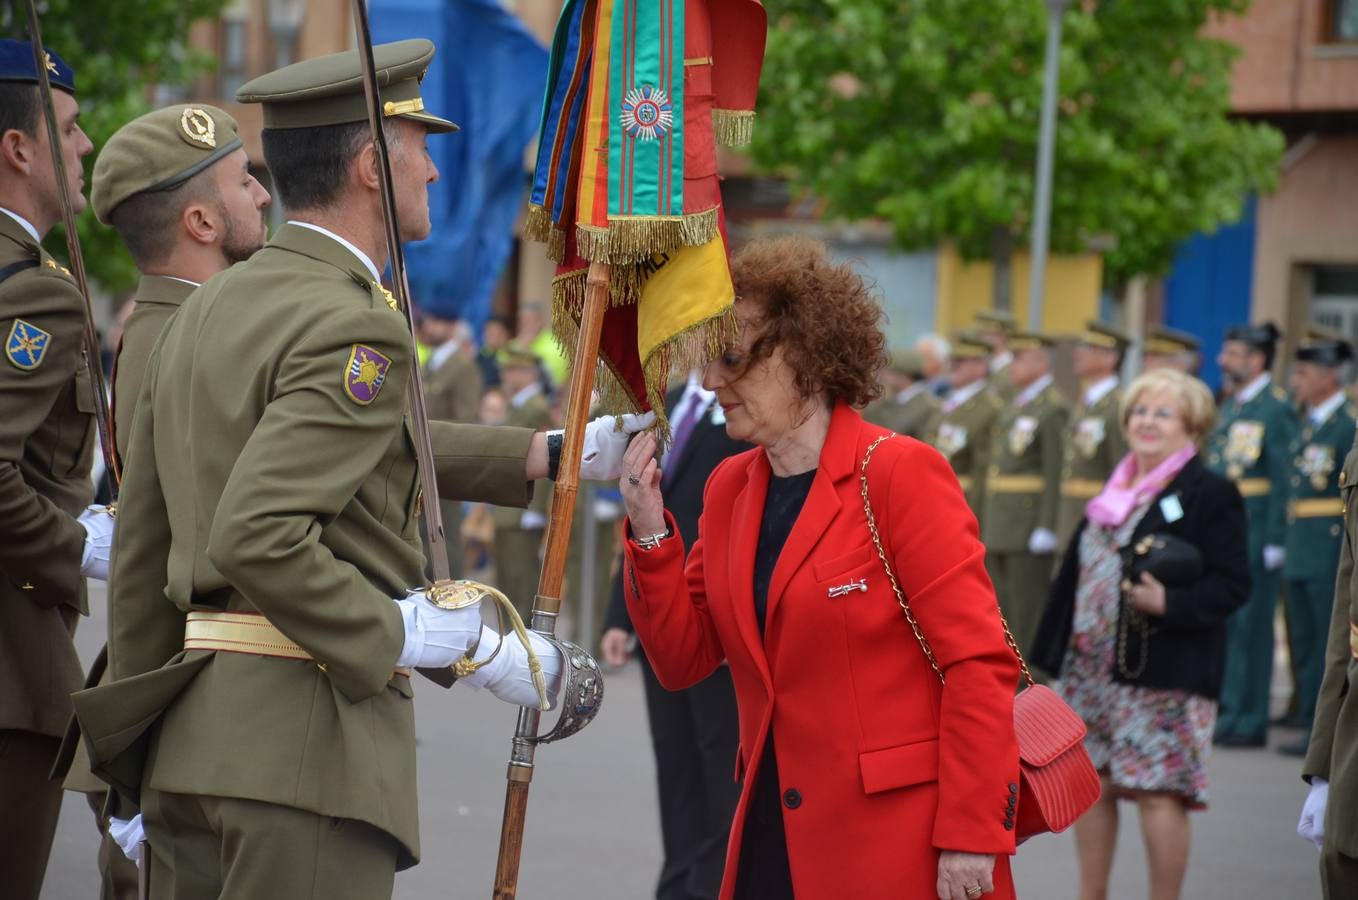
<point>683,430</point>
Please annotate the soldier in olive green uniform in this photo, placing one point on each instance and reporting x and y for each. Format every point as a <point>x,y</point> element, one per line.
<point>1094,442</point>
<point>908,407</point>
<point>1252,445</point>
<point>1331,764</point>
<point>1169,348</point>
<point>969,410</point>
<point>519,532</point>
<point>46,442</point>
<point>452,393</point>
<point>995,328</point>
<point>1315,514</point>
<point>1023,485</point>
<point>267,594</point>
<point>175,184</point>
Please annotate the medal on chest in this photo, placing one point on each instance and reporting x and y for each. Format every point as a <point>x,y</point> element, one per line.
<point>1089,435</point>
<point>951,438</point>
<point>1021,434</point>
<point>1244,444</point>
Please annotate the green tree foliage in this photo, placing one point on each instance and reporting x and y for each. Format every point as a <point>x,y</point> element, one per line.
<point>118,51</point>
<point>924,113</point>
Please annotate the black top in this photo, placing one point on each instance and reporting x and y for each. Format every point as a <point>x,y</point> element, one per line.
<point>781,508</point>
<point>1187,645</point>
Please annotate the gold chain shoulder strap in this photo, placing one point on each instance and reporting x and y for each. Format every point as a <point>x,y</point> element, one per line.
<point>895,585</point>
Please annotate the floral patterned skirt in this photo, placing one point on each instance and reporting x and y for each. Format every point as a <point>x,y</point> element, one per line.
<point>1143,739</point>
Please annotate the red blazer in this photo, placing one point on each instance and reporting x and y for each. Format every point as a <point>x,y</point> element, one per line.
<point>891,765</point>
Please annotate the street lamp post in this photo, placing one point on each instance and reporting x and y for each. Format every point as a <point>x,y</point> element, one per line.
<point>1046,152</point>
<point>285,21</point>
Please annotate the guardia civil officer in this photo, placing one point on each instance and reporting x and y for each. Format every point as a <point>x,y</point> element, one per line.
<point>176,186</point>
<point>1094,442</point>
<point>47,438</point>
<point>1022,488</point>
<point>1315,512</point>
<point>1252,445</point>
<point>268,595</point>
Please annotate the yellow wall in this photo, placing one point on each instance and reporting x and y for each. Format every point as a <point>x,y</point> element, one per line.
<point>965,288</point>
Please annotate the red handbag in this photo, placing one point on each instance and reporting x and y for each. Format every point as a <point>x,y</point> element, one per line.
<point>1057,779</point>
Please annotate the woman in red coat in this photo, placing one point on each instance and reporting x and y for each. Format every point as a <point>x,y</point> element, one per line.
<point>865,776</point>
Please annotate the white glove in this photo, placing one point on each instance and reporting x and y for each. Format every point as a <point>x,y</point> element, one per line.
<point>531,518</point>
<point>1274,557</point>
<point>507,675</point>
<point>435,638</point>
<point>1311,827</point>
<point>98,523</point>
<point>601,459</point>
<point>1041,542</point>
<point>129,835</point>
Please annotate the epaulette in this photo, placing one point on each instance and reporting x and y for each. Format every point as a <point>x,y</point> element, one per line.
<point>1279,394</point>
<point>50,267</point>
<point>1351,411</point>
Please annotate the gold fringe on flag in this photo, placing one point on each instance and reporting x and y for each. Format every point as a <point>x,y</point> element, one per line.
<point>538,226</point>
<point>733,127</point>
<point>634,239</point>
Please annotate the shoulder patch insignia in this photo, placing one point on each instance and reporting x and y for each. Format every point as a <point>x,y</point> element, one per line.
<point>26,345</point>
<point>364,374</point>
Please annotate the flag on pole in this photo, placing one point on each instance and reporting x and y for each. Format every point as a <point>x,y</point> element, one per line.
<point>639,93</point>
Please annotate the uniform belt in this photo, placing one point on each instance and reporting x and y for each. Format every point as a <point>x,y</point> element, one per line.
<point>1254,487</point>
<point>245,632</point>
<point>1353,639</point>
<point>1316,506</point>
<point>1081,488</point>
<point>1016,484</point>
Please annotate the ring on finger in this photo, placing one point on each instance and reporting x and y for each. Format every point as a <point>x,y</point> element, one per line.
<point>634,479</point>
<point>974,891</point>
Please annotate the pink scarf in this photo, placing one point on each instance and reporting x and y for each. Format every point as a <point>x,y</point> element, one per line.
<point>1117,500</point>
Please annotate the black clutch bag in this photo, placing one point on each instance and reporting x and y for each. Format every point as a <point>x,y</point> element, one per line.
<point>1170,560</point>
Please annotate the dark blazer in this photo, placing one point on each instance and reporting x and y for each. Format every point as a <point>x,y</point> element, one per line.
<point>1187,644</point>
<point>684,479</point>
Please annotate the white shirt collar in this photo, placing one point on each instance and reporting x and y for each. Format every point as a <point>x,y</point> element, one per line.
<point>961,395</point>
<point>1100,389</point>
<point>23,223</point>
<point>525,395</point>
<point>1252,390</point>
<point>1321,413</point>
<point>442,353</point>
<point>999,361</point>
<point>183,280</point>
<point>1032,390</point>
<point>363,257</point>
<point>907,394</point>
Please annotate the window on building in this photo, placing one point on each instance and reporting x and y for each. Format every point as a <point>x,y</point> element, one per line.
<point>1341,21</point>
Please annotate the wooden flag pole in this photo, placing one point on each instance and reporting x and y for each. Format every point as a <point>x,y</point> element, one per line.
<point>547,604</point>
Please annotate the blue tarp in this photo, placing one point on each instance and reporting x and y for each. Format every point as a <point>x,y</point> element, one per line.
<point>488,76</point>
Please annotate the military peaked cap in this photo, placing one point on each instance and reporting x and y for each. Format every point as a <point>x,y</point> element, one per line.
<point>968,345</point>
<point>1262,336</point>
<point>996,320</point>
<point>1030,340</point>
<point>1161,340</point>
<point>159,152</point>
<point>1101,334</point>
<point>512,355</point>
<point>16,65</point>
<point>328,90</point>
<point>1326,352</point>
<point>907,362</point>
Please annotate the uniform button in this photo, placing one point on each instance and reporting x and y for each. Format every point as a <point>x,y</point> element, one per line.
<point>1334,531</point>
<point>792,798</point>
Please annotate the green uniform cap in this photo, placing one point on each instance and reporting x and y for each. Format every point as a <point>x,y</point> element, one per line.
<point>1030,340</point>
<point>159,152</point>
<point>328,90</point>
<point>907,362</point>
<point>1161,340</point>
<point>968,345</point>
<point>996,320</point>
<point>1101,334</point>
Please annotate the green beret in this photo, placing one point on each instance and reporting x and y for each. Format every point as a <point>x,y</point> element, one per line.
<point>328,90</point>
<point>159,152</point>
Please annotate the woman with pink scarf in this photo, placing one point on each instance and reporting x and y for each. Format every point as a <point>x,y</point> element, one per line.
<point>1141,661</point>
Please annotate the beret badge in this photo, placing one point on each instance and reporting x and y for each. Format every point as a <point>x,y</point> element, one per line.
<point>197,128</point>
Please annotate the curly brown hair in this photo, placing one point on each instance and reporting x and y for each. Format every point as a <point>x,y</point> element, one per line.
<point>820,313</point>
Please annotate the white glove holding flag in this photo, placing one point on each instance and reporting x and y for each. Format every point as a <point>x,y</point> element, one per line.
<point>601,459</point>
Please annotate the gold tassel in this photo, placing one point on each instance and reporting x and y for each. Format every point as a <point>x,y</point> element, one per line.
<point>537,224</point>
<point>635,239</point>
<point>733,127</point>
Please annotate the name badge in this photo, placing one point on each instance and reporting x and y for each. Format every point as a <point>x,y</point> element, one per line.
<point>1171,508</point>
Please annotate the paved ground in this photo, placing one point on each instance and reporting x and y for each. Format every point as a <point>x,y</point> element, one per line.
<point>593,833</point>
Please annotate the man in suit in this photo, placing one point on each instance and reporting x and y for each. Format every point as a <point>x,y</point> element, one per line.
<point>1331,764</point>
<point>452,393</point>
<point>1252,445</point>
<point>1094,442</point>
<point>995,328</point>
<point>519,532</point>
<point>1315,513</point>
<point>46,443</point>
<point>694,732</point>
<point>962,433</point>
<point>1169,348</point>
<point>1023,483</point>
<point>270,502</point>
<point>906,407</point>
<point>175,184</point>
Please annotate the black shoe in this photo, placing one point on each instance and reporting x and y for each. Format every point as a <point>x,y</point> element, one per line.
<point>1289,720</point>
<point>1240,741</point>
<point>1295,748</point>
